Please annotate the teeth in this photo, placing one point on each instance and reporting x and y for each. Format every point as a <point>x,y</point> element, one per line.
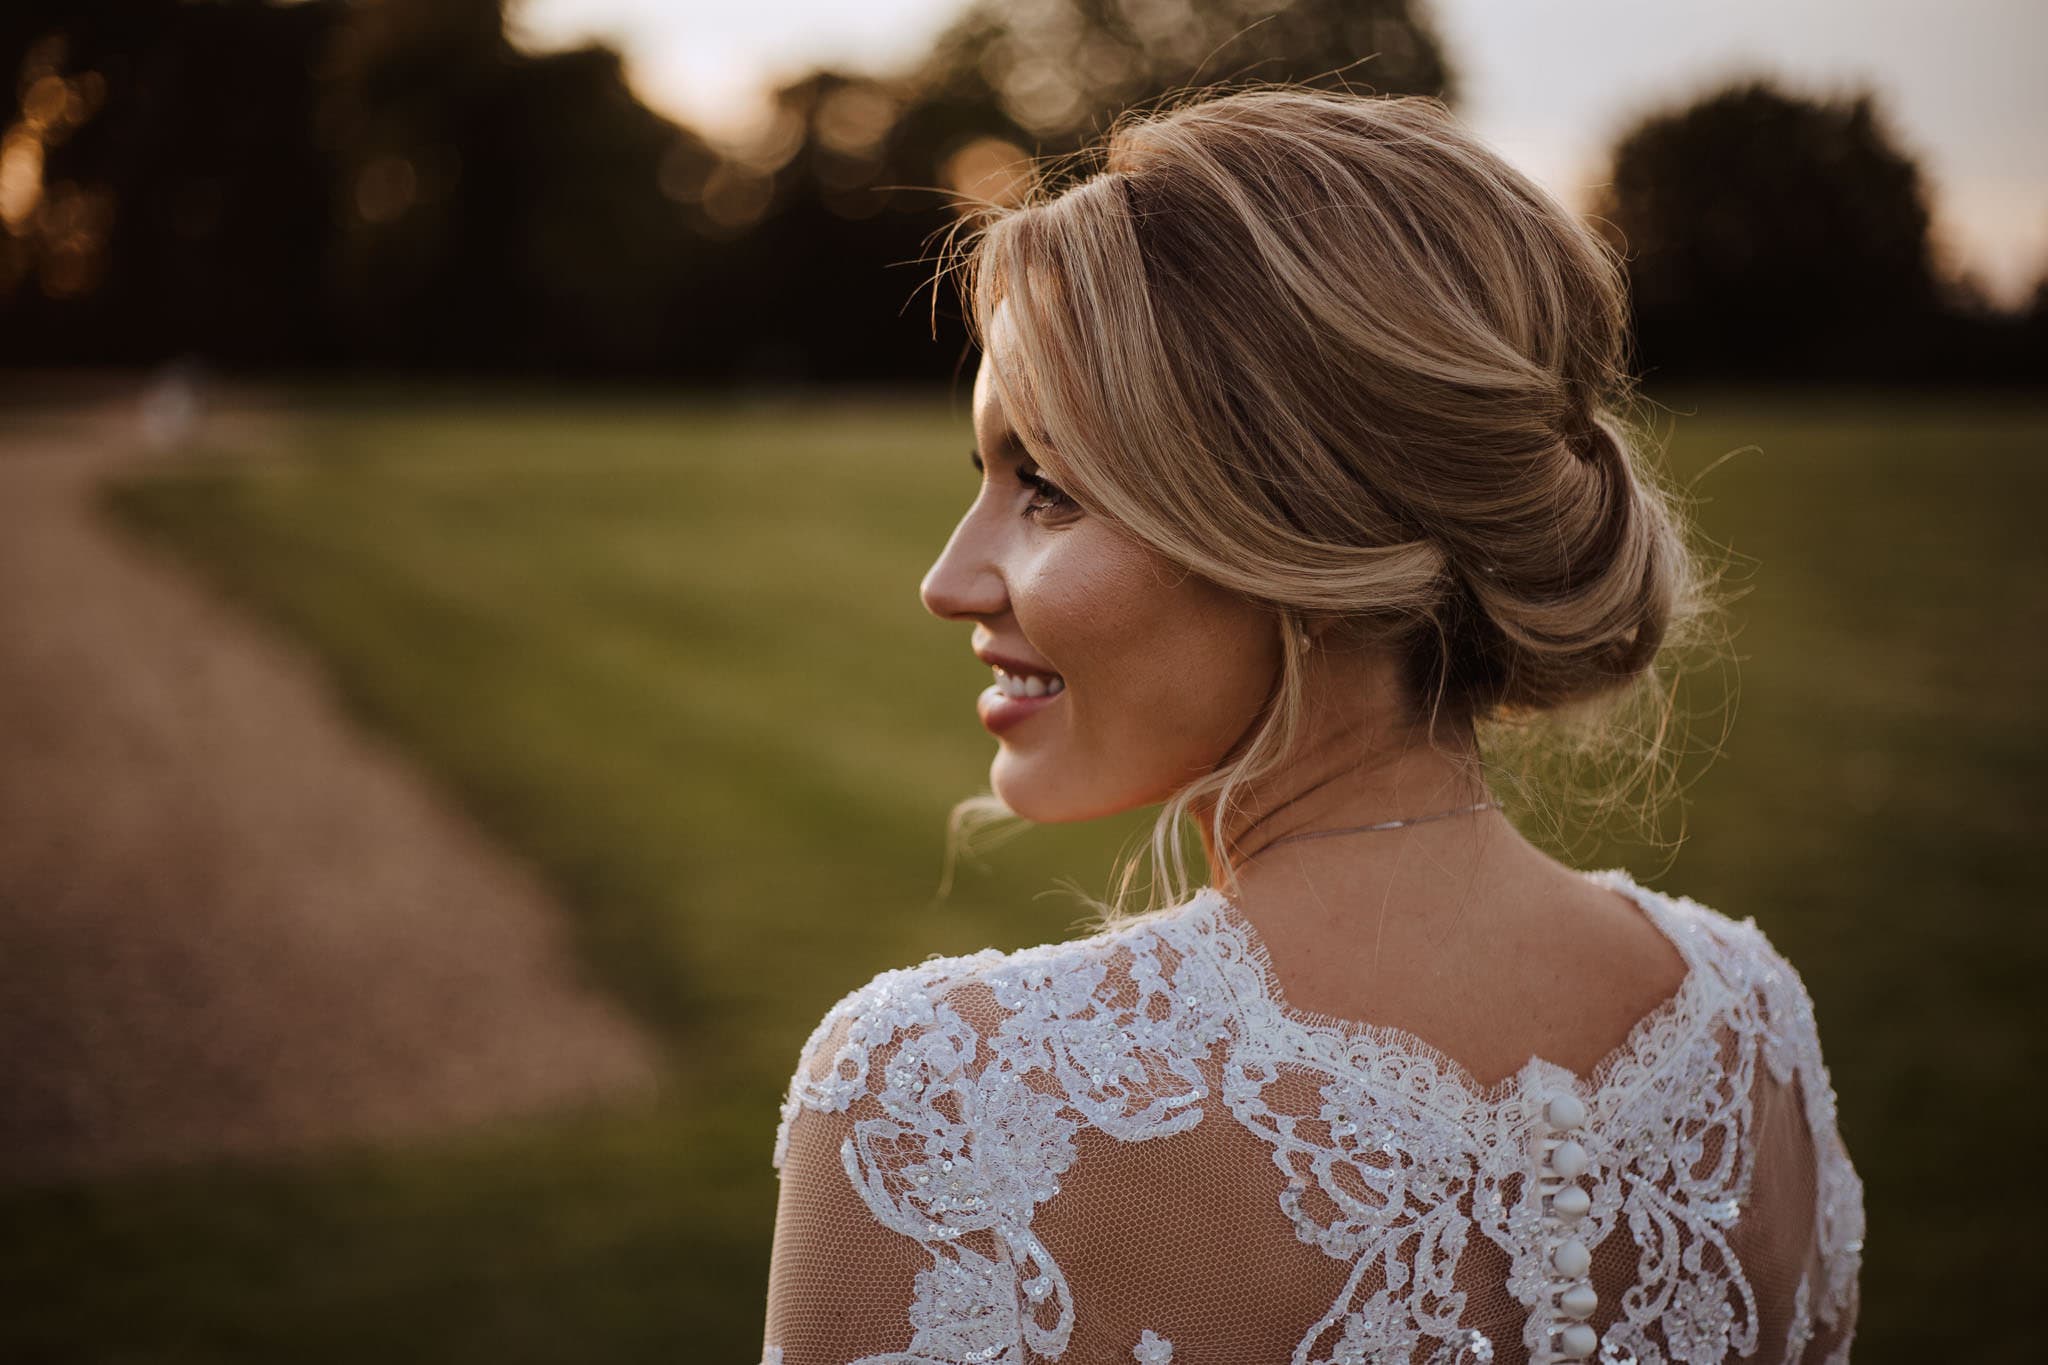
<point>1029,685</point>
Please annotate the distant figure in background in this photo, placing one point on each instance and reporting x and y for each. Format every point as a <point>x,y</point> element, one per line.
<point>172,405</point>
<point>1302,472</point>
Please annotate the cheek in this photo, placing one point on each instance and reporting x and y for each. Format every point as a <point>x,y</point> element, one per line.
<point>1161,663</point>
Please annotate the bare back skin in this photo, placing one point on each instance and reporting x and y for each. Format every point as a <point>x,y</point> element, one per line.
<point>1468,937</point>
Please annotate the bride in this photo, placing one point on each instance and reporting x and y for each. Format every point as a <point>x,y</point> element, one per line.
<point>1302,469</point>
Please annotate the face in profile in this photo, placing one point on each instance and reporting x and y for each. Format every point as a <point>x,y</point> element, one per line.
<point>1148,676</point>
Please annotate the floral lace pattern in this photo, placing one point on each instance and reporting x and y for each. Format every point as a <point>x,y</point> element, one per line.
<point>1152,1349</point>
<point>983,1069</point>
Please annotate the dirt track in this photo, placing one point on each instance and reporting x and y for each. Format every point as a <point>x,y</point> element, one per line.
<point>229,921</point>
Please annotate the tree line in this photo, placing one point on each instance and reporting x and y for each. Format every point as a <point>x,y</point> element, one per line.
<point>394,186</point>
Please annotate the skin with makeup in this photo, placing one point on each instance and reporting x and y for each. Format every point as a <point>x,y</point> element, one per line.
<point>1457,930</point>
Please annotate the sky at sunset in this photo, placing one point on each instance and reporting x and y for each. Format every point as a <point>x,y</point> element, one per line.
<point>1548,82</point>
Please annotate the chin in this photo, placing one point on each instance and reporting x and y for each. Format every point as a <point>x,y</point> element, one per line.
<point>1045,795</point>
<point>1024,791</point>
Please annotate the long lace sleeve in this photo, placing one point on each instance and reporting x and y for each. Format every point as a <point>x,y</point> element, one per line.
<point>840,1282</point>
<point>932,1116</point>
<point>841,1278</point>
<point>903,1226</point>
<point>1831,1340</point>
<point>1805,1165</point>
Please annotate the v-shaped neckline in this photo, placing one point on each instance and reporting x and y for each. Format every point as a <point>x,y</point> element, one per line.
<point>1685,1004</point>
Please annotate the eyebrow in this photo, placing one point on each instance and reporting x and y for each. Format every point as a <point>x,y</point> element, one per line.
<point>1006,444</point>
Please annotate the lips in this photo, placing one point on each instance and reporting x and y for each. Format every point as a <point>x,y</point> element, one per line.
<point>999,709</point>
<point>1000,712</point>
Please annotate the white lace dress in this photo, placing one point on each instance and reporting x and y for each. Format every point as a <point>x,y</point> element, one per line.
<point>1130,1147</point>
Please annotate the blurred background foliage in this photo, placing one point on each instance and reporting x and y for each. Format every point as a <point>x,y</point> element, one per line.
<point>373,185</point>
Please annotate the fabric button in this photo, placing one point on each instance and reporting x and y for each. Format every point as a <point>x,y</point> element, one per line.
<point>1571,1259</point>
<point>1566,1111</point>
<point>1571,1203</point>
<point>1579,1301</point>
<point>1568,1159</point>
<point>1577,1341</point>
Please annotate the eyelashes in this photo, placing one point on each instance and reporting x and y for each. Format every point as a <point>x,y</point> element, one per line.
<point>1050,497</point>
<point>1049,500</point>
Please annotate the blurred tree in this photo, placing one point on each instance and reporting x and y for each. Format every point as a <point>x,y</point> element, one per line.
<point>382,183</point>
<point>879,167</point>
<point>1057,70</point>
<point>158,187</point>
<point>2032,346</point>
<point>818,257</point>
<point>392,184</point>
<point>1768,234</point>
<point>496,210</point>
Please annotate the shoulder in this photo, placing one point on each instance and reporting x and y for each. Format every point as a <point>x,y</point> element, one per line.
<point>1741,981</point>
<point>1749,968</point>
<point>937,1106</point>
<point>908,1033</point>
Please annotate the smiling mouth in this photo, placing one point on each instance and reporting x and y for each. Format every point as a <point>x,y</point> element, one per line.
<point>1021,685</point>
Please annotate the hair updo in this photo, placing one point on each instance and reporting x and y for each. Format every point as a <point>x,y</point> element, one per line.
<point>1331,352</point>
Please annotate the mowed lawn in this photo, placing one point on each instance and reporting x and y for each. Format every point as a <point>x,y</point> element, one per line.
<point>673,653</point>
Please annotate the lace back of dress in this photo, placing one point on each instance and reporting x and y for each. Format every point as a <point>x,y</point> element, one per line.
<point>1107,1151</point>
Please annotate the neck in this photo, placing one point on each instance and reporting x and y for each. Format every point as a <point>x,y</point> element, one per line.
<point>1346,783</point>
<point>1353,764</point>
<point>1408,891</point>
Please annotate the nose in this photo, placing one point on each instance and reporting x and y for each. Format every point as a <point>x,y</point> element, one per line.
<point>964,583</point>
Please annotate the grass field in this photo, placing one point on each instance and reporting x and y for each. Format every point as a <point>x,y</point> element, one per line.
<point>619,633</point>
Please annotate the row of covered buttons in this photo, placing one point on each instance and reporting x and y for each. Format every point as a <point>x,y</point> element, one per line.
<point>1564,1161</point>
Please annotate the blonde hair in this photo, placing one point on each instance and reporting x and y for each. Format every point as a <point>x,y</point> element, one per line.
<point>1331,352</point>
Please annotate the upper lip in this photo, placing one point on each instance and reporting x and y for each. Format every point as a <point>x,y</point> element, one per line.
<point>1016,666</point>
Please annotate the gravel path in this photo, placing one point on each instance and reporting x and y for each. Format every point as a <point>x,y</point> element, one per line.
<point>229,922</point>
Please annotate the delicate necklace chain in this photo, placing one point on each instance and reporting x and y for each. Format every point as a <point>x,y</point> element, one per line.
<point>1384,824</point>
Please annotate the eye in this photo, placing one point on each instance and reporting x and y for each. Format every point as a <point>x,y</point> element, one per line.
<point>1050,499</point>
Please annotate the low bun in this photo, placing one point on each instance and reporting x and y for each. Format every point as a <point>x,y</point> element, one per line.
<point>1572,603</point>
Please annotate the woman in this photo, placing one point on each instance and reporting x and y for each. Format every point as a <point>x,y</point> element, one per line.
<point>1302,471</point>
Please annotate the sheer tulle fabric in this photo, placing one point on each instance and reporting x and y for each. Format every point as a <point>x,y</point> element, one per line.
<point>1128,1148</point>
